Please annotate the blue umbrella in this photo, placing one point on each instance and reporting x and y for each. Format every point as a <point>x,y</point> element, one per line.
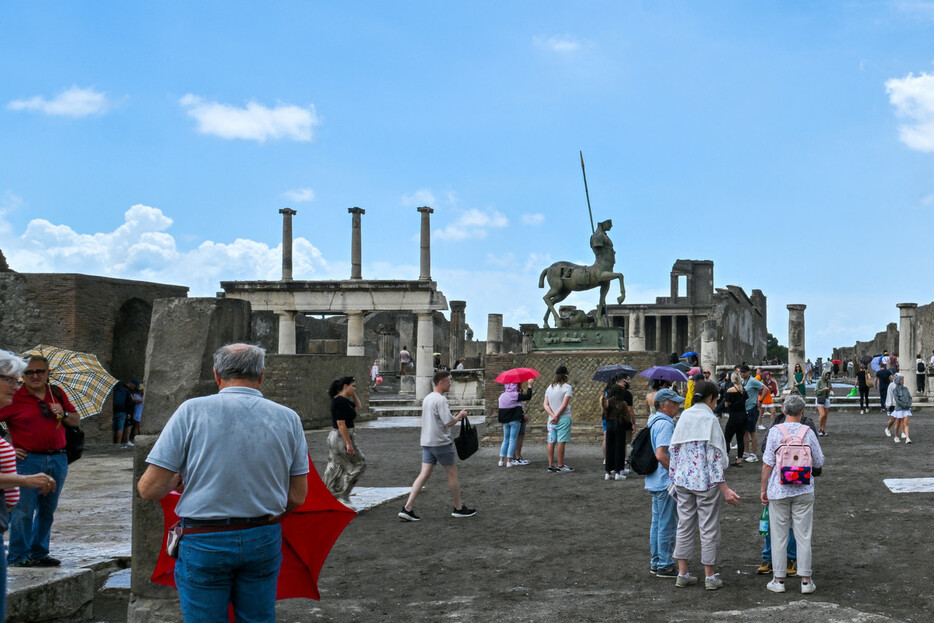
<point>664,373</point>
<point>876,363</point>
<point>689,354</point>
<point>605,374</point>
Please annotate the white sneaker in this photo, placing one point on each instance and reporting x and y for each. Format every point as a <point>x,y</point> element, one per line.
<point>607,476</point>
<point>888,433</point>
<point>897,440</point>
<point>761,427</point>
<point>752,458</point>
<point>776,587</point>
<point>904,436</point>
<point>501,463</point>
<point>130,443</point>
<point>626,471</point>
<point>732,446</point>
<point>620,476</point>
<point>810,587</point>
<point>510,463</point>
<point>907,439</point>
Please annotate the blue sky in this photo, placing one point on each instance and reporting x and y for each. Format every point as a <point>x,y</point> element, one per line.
<point>791,143</point>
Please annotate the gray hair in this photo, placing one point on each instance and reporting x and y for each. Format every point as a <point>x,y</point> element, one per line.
<point>240,361</point>
<point>10,364</point>
<point>794,405</point>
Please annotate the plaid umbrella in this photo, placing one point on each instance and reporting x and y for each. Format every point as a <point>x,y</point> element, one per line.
<point>81,375</point>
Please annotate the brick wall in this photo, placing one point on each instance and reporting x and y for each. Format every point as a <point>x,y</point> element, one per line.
<point>301,382</point>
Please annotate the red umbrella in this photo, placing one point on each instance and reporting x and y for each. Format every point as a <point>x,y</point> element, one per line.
<point>308,533</point>
<point>516,375</point>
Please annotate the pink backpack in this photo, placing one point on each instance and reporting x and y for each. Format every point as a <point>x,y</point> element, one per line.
<point>793,457</point>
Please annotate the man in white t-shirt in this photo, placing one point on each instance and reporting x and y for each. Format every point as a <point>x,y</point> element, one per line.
<point>438,447</point>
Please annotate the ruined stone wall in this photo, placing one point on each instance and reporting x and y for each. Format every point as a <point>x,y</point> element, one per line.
<point>742,322</point>
<point>82,313</point>
<point>301,382</point>
<point>883,341</point>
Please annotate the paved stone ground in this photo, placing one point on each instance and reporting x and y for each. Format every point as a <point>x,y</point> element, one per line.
<point>573,547</point>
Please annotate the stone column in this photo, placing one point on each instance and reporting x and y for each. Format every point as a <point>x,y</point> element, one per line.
<point>287,214</point>
<point>355,334</point>
<point>387,349</point>
<point>356,252</point>
<point>674,334</point>
<point>424,360</point>
<point>457,331</point>
<point>710,347</point>
<point>424,274</point>
<point>528,334</point>
<point>286,332</point>
<point>796,352</point>
<point>494,334</point>
<point>906,345</point>
<point>179,365</point>
<point>637,328</point>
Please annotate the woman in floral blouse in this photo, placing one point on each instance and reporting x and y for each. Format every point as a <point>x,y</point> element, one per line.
<point>698,460</point>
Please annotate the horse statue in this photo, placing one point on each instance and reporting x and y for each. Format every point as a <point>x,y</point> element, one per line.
<point>566,277</point>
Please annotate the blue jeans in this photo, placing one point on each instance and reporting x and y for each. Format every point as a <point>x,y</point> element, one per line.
<point>220,568</point>
<point>31,521</point>
<point>792,546</point>
<point>2,580</point>
<point>662,533</point>
<point>510,434</point>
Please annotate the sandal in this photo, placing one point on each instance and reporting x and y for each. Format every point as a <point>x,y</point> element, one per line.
<point>738,463</point>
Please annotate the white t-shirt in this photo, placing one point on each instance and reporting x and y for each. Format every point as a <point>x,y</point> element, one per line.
<point>555,395</point>
<point>436,414</point>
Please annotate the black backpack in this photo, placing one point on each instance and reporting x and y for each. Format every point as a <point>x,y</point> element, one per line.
<point>921,367</point>
<point>74,436</point>
<point>642,457</point>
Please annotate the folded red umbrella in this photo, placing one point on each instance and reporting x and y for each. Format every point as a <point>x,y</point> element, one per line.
<point>308,534</point>
<point>516,375</point>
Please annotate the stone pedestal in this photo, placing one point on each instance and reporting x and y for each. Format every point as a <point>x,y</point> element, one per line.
<point>424,368</point>
<point>386,348</point>
<point>179,365</point>
<point>637,329</point>
<point>355,334</point>
<point>494,334</point>
<point>796,353</point>
<point>286,332</point>
<point>356,252</point>
<point>906,345</point>
<point>458,325</point>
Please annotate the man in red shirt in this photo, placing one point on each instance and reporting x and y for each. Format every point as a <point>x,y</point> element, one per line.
<point>35,419</point>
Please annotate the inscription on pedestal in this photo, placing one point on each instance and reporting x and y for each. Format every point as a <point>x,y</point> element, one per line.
<point>578,339</point>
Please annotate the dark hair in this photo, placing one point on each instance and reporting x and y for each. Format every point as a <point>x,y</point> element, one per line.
<point>39,358</point>
<point>338,385</point>
<point>703,389</point>
<point>439,376</point>
<point>658,384</point>
<point>560,378</point>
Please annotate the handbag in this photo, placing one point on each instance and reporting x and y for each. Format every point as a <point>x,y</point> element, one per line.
<point>467,442</point>
<point>74,436</point>
<point>869,381</point>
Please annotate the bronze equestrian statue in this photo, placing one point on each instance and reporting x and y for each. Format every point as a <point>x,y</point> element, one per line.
<point>566,277</point>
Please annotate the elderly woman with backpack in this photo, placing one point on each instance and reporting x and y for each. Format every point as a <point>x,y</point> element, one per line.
<point>792,451</point>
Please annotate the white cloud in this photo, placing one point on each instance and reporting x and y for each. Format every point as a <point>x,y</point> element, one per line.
<point>142,248</point>
<point>533,219</point>
<point>421,197</point>
<point>472,224</point>
<point>73,102</point>
<point>913,99</point>
<point>300,195</point>
<point>255,122</point>
<point>557,44</point>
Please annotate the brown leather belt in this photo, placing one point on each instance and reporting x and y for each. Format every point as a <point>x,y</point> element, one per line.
<point>223,525</point>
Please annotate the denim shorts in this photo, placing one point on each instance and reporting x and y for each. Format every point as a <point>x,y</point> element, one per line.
<point>825,403</point>
<point>439,454</point>
<point>120,420</point>
<point>560,432</point>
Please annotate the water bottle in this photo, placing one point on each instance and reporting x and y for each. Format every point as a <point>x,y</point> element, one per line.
<point>764,521</point>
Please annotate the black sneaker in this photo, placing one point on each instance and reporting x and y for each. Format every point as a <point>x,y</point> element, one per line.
<point>464,512</point>
<point>667,572</point>
<point>23,563</point>
<point>552,468</point>
<point>408,515</point>
<point>48,561</point>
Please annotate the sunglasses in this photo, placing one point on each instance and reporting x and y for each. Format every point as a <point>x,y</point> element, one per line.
<point>34,372</point>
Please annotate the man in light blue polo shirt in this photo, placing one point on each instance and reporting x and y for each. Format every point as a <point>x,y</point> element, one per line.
<point>243,461</point>
<point>664,508</point>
